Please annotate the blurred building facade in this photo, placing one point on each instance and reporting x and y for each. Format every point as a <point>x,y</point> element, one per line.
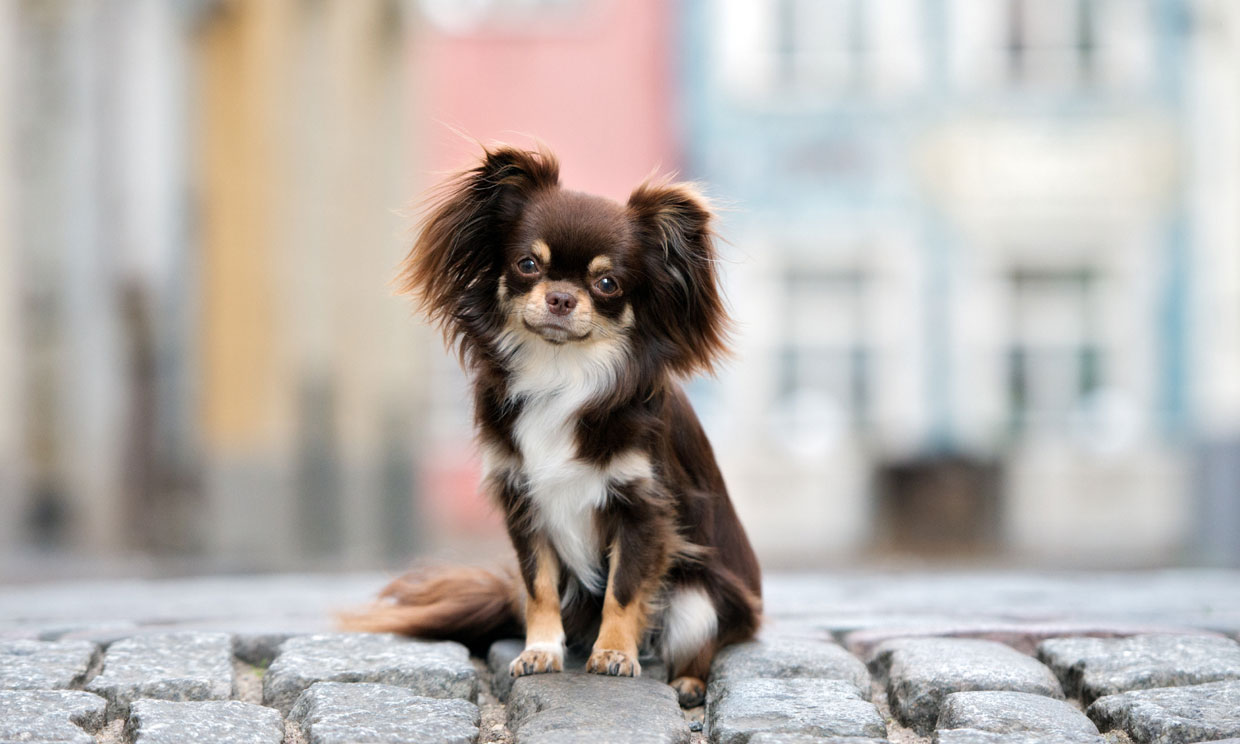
<point>985,269</point>
<point>984,257</point>
<point>202,355</point>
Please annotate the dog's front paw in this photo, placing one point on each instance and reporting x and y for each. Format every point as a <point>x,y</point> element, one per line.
<point>615,663</point>
<point>690,690</point>
<point>537,660</point>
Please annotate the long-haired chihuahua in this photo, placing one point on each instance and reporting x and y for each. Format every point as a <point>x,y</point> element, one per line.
<point>577,316</point>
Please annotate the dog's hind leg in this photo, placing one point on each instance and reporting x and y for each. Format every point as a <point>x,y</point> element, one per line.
<point>690,682</point>
<point>690,624</point>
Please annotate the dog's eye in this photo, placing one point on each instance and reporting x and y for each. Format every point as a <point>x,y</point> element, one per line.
<point>527,266</point>
<point>607,286</point>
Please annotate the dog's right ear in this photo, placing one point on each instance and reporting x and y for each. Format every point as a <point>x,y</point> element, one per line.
<point>453,268</point>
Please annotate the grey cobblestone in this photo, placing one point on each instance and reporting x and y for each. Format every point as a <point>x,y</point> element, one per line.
<point>212,722</point>
<point>259,648</point>
<point>737,709</point>
<point>864,611</point>
<point>921,672</point>
<point>973,736</point>
<point>572,707</point>
<point>106,634</point>
<point>45,665</point>
<point>337,713</point>
<point>110,631</point>
<point>499,656</point>
<point>50,716</point>
<point>1022,636</point>
<point>1090,668</point>
<point>437,669</point>
<point>790,658</point>
<point>167,666</point>
<point>770,738</point>
<point>1173,715</point>
<point>1001,711</point>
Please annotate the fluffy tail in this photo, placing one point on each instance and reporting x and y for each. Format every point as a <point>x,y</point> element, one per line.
<point>473,606</point>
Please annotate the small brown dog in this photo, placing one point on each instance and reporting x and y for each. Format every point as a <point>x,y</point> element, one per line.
<point>576,316</point>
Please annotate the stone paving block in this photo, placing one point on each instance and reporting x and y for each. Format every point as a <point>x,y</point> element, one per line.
<point>45,665</point>
<point>1022,636</point>
<point>210,722</point>
<point>103,634</point>
<point>573,707</point>
<point>973,736</point>
<point>167,666</point>
<point>790,658</point>
<point>259,648</point>
<point>921,672</point>
<point>47,716</point>
<point>501,654</point>
<point>766,737</point>
<point>1001,711</point>
<point>1090,668</point>
<point>365,713</point>
<point>738,709</point>
<point>439,669</point>
<point>1173,715</point>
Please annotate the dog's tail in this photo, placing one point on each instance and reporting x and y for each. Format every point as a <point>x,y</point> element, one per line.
<point>473,606</point>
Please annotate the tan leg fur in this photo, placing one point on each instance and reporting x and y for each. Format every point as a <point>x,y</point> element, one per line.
<point>615,650</point>
<point>544,629</point>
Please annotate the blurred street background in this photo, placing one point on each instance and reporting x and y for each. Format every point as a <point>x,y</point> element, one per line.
<point>984,256</point>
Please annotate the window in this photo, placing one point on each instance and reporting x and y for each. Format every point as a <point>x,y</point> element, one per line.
<point>819,44</point>
<point>1054,361</point>
<point>1051,41</point>
<point>814,50</point>
<point>824,362</point>
<point>472,16</point>
<point>1052,46</point>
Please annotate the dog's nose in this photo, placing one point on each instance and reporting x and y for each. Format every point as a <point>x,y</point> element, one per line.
<point>561,303</point>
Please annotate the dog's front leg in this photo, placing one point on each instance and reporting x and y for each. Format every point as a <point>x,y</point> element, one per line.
<point>636,561</point>
<point>615,650</point>
<point>544,630</point>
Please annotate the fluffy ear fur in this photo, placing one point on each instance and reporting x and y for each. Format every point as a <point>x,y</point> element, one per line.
<point>454,265</point>
<point>685,313</point>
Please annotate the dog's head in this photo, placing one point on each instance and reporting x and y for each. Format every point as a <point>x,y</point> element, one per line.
<point>505,252</point>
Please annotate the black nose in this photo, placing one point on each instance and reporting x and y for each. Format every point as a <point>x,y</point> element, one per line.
<point>561,303</point>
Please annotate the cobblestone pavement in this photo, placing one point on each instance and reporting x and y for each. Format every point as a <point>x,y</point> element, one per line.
<point>950,658</point>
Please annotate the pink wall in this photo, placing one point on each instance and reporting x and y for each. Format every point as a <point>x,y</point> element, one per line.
<point>596,90</point>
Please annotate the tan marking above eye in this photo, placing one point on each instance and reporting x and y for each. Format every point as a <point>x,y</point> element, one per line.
<point>541,251</point>
<point>600,264</point>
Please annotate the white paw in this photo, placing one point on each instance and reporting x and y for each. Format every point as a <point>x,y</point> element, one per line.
<point>538,658</point>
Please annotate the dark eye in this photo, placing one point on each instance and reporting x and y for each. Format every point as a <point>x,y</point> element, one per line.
<point>527,266</point>
<point>607,286</point>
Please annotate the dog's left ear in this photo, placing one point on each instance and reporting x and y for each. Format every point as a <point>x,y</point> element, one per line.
<point>686,313</point>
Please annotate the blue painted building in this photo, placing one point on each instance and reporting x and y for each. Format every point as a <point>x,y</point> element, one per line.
<point>964,246</point>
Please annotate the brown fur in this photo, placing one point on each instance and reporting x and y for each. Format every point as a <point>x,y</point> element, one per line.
<point>514,268</point>
<point>467,604</point>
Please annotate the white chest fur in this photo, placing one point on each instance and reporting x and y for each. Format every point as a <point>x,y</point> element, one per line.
<point>554,383</point>
<point>565,492</point>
